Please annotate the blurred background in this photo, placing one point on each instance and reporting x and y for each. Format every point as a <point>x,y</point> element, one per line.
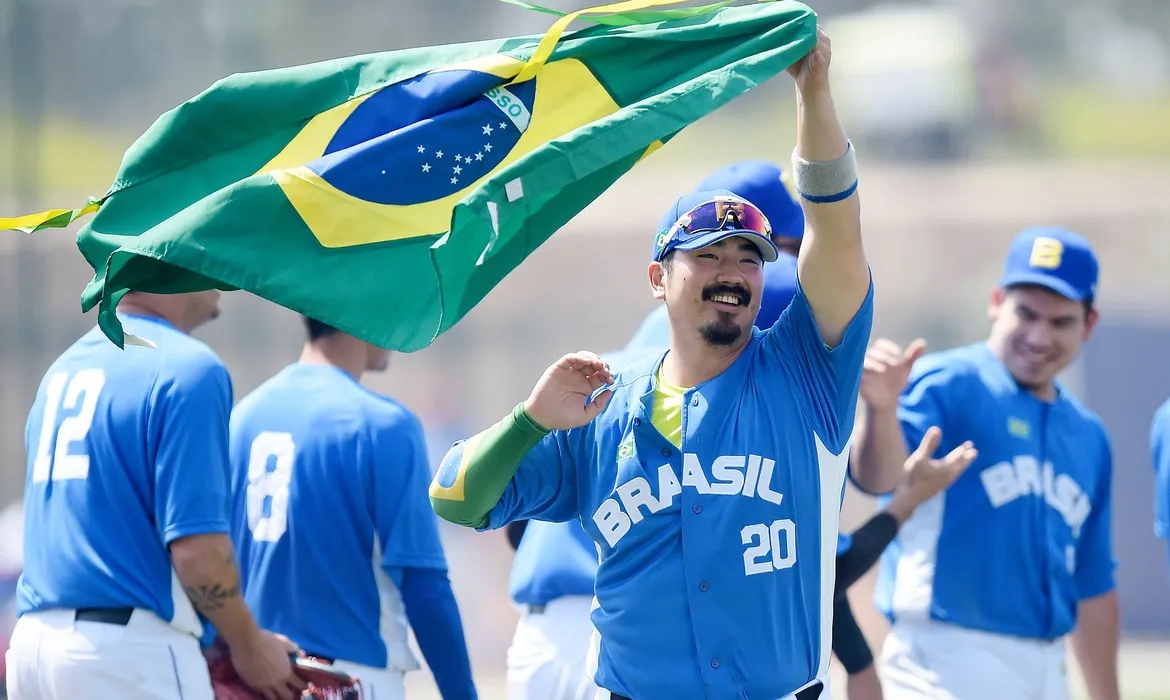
<point>972,119</point>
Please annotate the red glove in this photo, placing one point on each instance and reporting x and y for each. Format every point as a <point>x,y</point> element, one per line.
<point>325,681</point>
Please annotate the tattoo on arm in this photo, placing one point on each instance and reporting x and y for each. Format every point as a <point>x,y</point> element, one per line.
<point>208,598</point>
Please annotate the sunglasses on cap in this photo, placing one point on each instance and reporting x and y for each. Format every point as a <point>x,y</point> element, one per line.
<point>733,216</point>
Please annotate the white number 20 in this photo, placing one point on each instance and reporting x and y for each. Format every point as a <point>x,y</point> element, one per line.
<point>778,539</point>
<point>264,485</point>
<point>54,458</point>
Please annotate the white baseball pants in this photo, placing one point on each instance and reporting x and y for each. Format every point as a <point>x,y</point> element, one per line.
<point>939,661</point>
<point>377,683</point>
<point>547,658</point>
<point>52,656</point>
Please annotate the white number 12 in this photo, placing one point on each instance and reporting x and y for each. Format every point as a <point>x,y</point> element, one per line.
<point>53,455</point>
<point>779,539</point>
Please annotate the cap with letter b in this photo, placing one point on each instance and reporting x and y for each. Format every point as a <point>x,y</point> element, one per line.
<point>1054,258</point>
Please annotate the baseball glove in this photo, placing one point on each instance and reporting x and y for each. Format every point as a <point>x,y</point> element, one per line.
<point>325,681</point>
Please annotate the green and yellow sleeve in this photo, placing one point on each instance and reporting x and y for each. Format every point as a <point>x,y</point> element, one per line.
<point>475,472</point>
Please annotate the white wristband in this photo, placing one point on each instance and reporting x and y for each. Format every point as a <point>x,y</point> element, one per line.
<point>827,181</point>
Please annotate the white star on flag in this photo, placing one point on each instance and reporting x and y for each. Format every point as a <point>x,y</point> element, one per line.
<point>438,154</point>
<point>454,181</point>
<point>422,149</point>
<point>457,169</point>
<point>503,125</point>
<point>426,167</point>
<point>487,147</point>
<point>479,156</point>
<point>487,130</point>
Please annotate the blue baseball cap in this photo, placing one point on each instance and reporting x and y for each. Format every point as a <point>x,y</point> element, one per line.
<point>764,184</point>
<point>779,290</point>
<point>670,237</point>
<point>1054,258</point>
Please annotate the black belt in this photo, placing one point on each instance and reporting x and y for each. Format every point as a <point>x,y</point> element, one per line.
<point>110,616</point>
<point>810,693</point>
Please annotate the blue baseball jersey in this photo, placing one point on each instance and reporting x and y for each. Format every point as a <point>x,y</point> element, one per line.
<point>1024,533</point>
<point>329,493</point>
<point>553,560</point>
<point>127,451</point>
<point>716,562</point>
<point>1160,452</point>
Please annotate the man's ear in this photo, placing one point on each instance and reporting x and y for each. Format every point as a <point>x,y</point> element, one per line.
<point>657,275</point>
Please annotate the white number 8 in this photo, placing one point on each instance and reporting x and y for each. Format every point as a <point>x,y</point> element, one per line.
<point>779,538</point>
<point>264,485</point>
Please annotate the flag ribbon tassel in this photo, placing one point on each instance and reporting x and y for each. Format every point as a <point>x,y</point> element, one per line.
<point>53,218</point>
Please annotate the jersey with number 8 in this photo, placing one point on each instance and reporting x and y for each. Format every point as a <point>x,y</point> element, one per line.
<point>329,489</point>
<point>717,559</point>
<point>127,451</point>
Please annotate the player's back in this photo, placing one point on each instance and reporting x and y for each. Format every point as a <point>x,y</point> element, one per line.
<point>102,444</point>
<point>308,481</point>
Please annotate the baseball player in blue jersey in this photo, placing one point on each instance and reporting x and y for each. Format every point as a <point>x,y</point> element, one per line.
<point>338,544</point>
<point>1160,451</point>
<point>983,584</point>
<point>710,475</point>
<point>556,563</point>
<point>126,521</point>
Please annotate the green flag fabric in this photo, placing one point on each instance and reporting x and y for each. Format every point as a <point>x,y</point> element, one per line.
<point>386,194</point>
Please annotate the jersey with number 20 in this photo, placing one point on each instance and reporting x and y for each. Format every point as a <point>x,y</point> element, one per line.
<point>716,567</point>
<point>329,493</point>
<point>127,451</point>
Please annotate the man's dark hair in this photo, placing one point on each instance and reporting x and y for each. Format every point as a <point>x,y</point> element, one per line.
<point>316,329</point>
<point>1087,302</point>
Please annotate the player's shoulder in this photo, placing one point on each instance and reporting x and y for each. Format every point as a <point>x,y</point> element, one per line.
<point>1161,419</point>
<point>389,415</point>
<point>1088,422</point>
<point>960,365</point>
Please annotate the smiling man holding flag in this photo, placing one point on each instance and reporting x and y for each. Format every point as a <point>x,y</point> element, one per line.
<point>708,475</point>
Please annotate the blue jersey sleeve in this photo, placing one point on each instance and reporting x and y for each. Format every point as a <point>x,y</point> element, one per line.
<point>544,486</point>
<point>1160,452</point>
<point>191,407</point>
<point>1095,565</point>
<point>828,378</point>
<point>407,527</point>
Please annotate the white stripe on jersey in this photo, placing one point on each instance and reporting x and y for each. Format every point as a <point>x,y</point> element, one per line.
<point>393,626</point>
<point>831,469</point>
<point>918,539</point>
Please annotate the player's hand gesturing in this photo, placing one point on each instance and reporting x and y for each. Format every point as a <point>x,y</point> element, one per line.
<point>926,476</point>
<point>558,402</point>
<point>886,371</point>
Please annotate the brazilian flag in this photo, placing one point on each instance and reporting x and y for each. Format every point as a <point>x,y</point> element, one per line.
<point>387,194</point>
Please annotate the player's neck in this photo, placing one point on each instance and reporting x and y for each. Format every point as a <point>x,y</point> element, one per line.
<point>343,356</point>
<point>140,307</point>
<point>691,362</point>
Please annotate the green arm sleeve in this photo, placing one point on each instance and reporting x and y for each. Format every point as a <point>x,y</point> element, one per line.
<point>474,474</point>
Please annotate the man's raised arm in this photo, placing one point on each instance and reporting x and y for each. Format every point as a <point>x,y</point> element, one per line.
<point>831,266</point>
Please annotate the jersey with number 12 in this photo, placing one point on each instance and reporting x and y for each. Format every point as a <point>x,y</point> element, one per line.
<point>329,494</point>
<point>127,451</point>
